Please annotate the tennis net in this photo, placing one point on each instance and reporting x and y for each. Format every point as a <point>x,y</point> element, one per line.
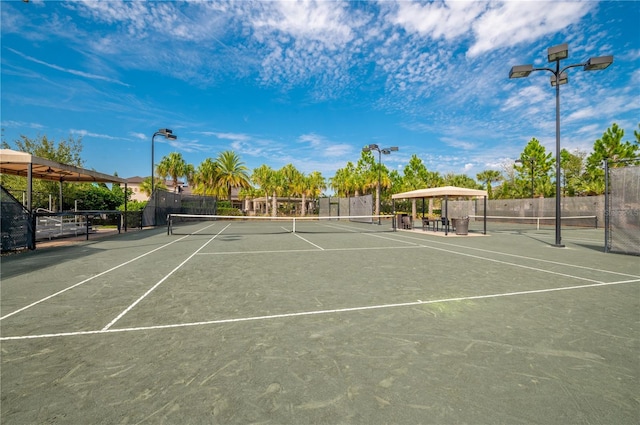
<point>188,224</point>
<point>532,223</point>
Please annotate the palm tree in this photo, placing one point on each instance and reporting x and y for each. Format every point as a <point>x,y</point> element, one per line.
<point>278,185</point>
<point>314,184</point>
<point>173,166</point>
<point>292,181</point>
<point>488,177</point>
<point>262,176</point>
<point>205,178</point>
<point>232,172</point>
<point>344,181</point>
<point>145,185</point>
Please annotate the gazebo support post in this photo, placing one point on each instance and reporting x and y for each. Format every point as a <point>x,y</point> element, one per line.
<point>446,215</point>
<point>484,231</point>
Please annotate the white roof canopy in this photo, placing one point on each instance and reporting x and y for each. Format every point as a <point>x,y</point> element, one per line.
<point>441,192</point>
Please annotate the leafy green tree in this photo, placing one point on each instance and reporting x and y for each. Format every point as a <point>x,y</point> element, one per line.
<point>416,175</point>
<point>65,151</point>
<point>535,166</point>
<point>572,166</point>
<point>609,147</point>
<point>365,177</point>
<point>99,197</point>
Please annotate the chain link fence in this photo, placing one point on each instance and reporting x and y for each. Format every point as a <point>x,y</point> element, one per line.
<point>15,223</point>
<point>622,212</point>
<point>352,206</point>
<point>163,203</point>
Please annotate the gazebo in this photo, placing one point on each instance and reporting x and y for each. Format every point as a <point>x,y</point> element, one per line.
<point>32,167</point>
<point>444,193</point>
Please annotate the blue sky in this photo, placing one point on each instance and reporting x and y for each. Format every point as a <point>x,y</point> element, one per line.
<point>312,82</point>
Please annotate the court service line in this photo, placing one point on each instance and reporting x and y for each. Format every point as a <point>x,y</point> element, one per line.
<point>309,242</point>
<point>319,312</point>
<point>89,279</point>
<point>125,311</point>
<point>493,260</point>
<point>523,257</point>
<point>289,251</point>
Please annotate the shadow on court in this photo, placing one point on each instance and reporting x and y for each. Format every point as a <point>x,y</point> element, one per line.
<point>356,328</point>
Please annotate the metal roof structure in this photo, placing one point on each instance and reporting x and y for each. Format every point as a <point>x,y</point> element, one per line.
<point>18,163</point>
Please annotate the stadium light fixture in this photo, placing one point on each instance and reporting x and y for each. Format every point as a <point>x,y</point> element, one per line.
<point>598,63</point>
<point>559,77</point>
<point>386,151</point>
<point>168,134</point>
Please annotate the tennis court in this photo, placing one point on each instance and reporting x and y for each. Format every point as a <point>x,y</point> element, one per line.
<point>230,322</point>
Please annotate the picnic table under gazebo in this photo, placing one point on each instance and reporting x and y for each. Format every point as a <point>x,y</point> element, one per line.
<point>445,193</point>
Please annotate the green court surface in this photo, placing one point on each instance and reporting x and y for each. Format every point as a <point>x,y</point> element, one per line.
<point>231,326</point>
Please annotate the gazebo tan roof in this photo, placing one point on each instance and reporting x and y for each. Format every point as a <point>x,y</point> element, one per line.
<point>441,192</point>
<point>17,163</point>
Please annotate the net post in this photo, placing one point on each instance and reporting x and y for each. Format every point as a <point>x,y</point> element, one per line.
<point>294,225</point>
<point>168,224</point>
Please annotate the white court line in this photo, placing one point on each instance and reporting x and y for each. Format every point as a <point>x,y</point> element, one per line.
<point>318,312</point>
<point>125,311</point>
<point>289,251</point>
<point>309,242</point>
<point>515,256</point>
<point>89,279</point>
<point>418,246</point>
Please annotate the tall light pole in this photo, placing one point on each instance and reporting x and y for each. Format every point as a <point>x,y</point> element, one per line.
<point>559,77</point>
<point>386,151</point>
<point>165,132</point>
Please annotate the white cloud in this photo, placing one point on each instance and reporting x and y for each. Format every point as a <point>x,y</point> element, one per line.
<point>68,70</point>
<point>86,133</point>
<point>313,140</point>
<point>458,144</point>
<point>236,137</point>
<point>446,20</point>
<point>139,136</point>
<point>20,124</point>
<point>338,150</point>
<point>321,21</point>
<point>510,23</point>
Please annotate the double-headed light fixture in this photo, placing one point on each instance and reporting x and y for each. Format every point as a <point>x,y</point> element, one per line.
<point>559,77</point>
<point>386,151</point>
<point>167,133</point>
